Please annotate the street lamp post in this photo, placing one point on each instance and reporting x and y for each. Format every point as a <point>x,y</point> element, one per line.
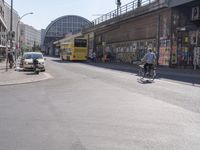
<point>11,15</point>
<point>17,31</point>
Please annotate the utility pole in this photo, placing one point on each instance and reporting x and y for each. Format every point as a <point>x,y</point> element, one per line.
<point>11,16</point>
<point>9,35</point>
<point>11,26</point>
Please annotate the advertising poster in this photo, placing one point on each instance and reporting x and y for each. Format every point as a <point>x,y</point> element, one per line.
<point>196,60</point>
<point>164,52</point>
<point>193,37</point>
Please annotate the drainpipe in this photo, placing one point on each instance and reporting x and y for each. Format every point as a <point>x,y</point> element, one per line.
<point>158,38</point>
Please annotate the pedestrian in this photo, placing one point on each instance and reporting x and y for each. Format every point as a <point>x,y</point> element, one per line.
<point>94,57</point>
<point>10,59</point>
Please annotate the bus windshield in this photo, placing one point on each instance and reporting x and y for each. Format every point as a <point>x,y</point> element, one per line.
<point>80,43</point>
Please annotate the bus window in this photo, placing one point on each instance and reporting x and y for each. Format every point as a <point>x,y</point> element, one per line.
<point>80,43</point>
<point>68,51</point>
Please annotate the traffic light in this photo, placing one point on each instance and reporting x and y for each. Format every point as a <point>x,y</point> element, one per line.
<point>139,3</point>
<point>118,2</point>
<point>11,35</point>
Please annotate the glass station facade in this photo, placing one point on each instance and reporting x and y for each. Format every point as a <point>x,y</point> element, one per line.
<point>61,27</point>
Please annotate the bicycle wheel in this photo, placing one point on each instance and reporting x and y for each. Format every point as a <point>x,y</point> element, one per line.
<point>153,74</point>
<point>141,72</point>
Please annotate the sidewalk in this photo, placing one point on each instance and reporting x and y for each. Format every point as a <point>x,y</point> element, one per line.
<point>12,76</point>
<point>183,75</point>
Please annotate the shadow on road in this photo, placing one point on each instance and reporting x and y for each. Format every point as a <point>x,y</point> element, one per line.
<point>162,73</point>
<point>145,81</point>
<point>31,73</point>
<point>2,68</point>
<point>66,62</point>
<point>59,61</point>
<point>186,76</point>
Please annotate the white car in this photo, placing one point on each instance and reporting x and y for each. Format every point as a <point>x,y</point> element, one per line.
<point>28,57</point>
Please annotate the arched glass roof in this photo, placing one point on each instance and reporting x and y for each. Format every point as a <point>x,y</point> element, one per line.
<point>62,26</point>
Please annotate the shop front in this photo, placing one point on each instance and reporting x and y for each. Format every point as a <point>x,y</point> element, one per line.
<point>186,36</point>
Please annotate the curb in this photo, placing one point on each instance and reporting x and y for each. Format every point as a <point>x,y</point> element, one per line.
<point>27,81</point>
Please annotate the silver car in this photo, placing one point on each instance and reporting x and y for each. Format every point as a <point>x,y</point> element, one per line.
<point>27,60</point>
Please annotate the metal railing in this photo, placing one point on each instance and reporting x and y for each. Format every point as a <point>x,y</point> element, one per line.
<point>123,10</point>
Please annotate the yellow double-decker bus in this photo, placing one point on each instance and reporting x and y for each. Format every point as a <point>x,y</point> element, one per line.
<point>73,48</point>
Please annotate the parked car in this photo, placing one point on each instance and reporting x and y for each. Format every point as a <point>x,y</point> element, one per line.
<point>27,60</point>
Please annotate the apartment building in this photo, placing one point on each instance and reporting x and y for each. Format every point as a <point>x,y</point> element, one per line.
<point>29,37</point>
<point>3,28</point>
<point>16,18</point>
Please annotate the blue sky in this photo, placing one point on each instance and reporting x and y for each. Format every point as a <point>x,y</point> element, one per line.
<point>46,11</point>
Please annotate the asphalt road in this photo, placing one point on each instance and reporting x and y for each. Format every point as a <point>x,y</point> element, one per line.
<point>91,108</point>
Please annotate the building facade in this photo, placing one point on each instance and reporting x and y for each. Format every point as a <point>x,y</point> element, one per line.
<point>3,29</point>
<point>185,35</point>
<point>127,35</point>
<point>14,21</point>
<point>30,38</point>
<point>171,28</point>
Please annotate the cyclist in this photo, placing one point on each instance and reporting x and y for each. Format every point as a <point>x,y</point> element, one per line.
<point>94,57</point>
<point>10,59</point>
<point>149,59</point>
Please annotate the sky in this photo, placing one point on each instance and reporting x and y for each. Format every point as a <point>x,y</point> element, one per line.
<point>46,11</point>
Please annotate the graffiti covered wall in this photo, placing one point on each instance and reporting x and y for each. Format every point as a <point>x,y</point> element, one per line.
<point>165,39</point>
<point>127,52</point>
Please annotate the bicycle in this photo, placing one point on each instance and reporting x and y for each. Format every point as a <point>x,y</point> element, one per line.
<point>150,74</point>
